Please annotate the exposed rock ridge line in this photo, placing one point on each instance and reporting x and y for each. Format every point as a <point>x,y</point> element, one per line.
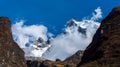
<point>104,50</point>
<point>10,53</point>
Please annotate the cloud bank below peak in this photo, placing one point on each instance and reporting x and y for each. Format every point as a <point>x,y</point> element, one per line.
<point>63,45</point>
<point>24,34</point>
<point>77,37</point>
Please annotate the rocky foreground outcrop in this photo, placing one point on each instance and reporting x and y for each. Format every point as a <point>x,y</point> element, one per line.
<point>104,50</point>
<point>75,59</point>
<point>69,62</point>
<point>10,53</point>
<point>48,63</point>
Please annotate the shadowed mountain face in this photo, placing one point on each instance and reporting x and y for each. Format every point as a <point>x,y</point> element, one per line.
<point>10,53</point>
<point>104,50</point>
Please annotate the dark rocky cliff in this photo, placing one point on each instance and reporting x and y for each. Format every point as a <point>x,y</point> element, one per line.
<point>10,53</point>
<point>104,50</point>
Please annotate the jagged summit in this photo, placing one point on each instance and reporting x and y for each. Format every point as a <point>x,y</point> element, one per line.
<point>80,26</point>
<point>10,53</point>
<point>37,47</point>
<point>71,22</point>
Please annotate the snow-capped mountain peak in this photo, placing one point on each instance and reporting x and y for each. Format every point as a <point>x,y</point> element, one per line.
<point>76,36</point>
<point>81,27</point>
<point>71,22</point>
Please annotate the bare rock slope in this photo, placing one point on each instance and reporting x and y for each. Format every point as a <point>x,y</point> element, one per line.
<point>10,53</point>
<point>104,50</point>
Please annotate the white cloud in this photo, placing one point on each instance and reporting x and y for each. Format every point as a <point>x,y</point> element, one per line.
<point>65,45</point>
<point>24,34</point>
<point>97,14</point>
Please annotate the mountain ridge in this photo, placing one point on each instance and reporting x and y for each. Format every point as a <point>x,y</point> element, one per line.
<point>104,49</point>
<point>11,55</point>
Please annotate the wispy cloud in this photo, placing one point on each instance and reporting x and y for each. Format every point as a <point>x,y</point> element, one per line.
<point>97,14</point>
<point>64,45</point>
<point>24,34</point>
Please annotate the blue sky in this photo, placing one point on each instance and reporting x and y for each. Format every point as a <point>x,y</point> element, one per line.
<point>53,13</point>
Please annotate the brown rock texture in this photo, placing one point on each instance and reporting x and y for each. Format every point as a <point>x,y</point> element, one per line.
<point>104,50</point>
<point>48,63</point>
<point>75,59</point>
<point>69,62</point>
<point>10,53</point>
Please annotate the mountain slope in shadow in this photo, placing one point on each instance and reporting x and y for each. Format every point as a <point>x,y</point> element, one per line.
<point>10,53</point>
<point>104,50</point>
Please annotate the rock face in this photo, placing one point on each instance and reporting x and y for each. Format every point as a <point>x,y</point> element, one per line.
<point>104,50</point>
<point>69,62</point>
<point>10,53</point>
<point>48,63</point>
<point>75,59</point>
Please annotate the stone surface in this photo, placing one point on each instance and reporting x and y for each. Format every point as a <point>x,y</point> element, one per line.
<point>69,62</point>
<point>48,63</point>
<point>10,53</point>
<point>104,50</point>
<point>75,59</point>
